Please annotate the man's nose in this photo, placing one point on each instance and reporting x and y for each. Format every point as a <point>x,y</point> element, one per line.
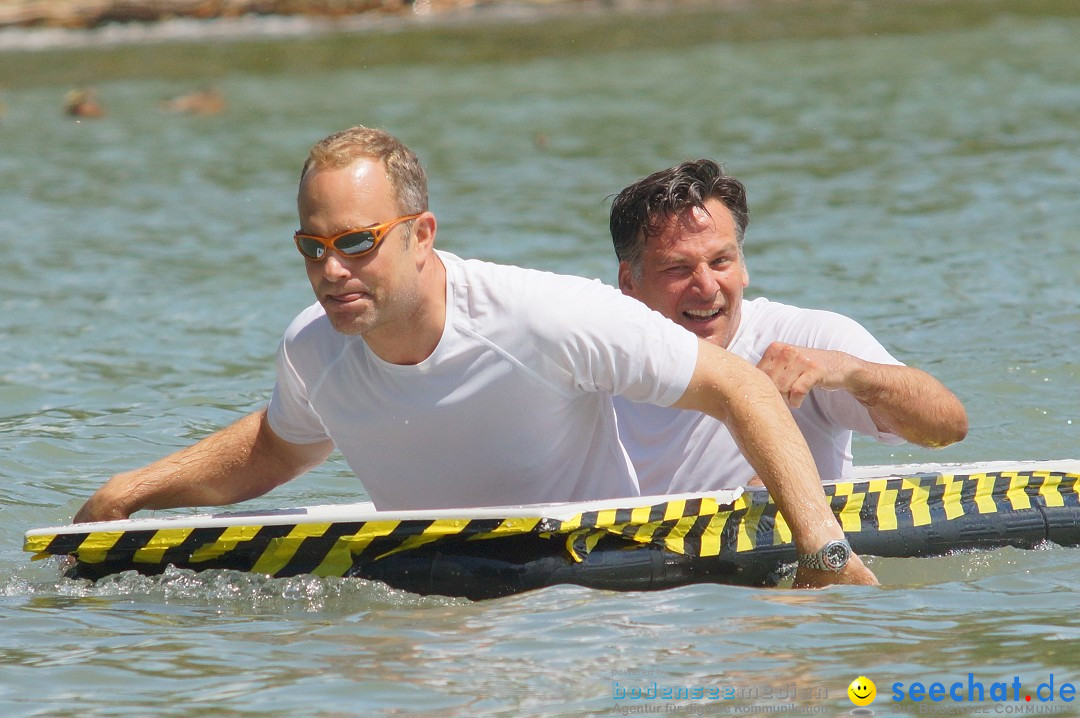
<point>333,266</point>
<point>704,281</point>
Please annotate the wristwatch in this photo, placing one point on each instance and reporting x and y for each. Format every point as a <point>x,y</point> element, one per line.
<point>833,556</point>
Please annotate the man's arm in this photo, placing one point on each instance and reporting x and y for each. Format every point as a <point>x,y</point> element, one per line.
<point>240,462</point>
<point>732,390</point>
<point>901,400</point>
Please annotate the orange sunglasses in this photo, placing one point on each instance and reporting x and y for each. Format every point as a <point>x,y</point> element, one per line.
<point>351,243</point>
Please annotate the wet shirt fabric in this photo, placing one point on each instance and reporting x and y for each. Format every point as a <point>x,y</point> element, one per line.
<point>677,451</point>
<point>513,406</point>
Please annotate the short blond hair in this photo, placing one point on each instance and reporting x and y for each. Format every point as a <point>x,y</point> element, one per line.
<point>407,178</point>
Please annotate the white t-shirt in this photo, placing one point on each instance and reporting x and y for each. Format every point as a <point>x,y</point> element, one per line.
<point>513,406</point>
<point>684,451</point>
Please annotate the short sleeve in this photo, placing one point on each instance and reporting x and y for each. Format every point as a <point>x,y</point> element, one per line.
<point>290,414</point>
<point>606,341</point>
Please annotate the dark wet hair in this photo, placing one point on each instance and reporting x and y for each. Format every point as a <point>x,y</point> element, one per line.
<point>643,209</point>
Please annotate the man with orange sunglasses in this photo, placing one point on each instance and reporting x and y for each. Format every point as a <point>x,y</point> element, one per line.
<point>447,382</point>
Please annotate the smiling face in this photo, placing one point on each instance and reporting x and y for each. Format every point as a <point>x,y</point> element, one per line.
<point>693,273</point>
<point>383,295</point>
<point>862,691</point>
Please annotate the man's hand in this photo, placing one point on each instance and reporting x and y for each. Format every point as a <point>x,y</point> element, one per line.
<point>855,573</point>
<point>902,400</point>
<point>101,507</point>
<point>797,370</point>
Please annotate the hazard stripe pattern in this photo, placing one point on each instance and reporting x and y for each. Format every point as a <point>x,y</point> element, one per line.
<point>692,527</point>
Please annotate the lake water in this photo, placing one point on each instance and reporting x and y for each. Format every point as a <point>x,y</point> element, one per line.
<point>913,166</point>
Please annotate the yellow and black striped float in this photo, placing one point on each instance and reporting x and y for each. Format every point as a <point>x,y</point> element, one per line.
<point>630,544</point>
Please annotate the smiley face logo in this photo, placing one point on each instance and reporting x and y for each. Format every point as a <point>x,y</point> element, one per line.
<point>862,691</point>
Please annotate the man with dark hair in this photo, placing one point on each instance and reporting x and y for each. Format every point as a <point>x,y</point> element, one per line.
<point>678,235</point>
<point>447,382</point>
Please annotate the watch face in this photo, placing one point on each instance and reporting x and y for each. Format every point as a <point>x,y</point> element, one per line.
<point>836,556</point>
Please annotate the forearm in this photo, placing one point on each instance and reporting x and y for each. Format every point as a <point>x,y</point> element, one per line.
<point>908,402</point>
<point>746,400</point>
<point>761,424</point>
<point>237,463</point>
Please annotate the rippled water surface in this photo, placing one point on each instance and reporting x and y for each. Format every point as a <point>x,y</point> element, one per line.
<point>915,170</point>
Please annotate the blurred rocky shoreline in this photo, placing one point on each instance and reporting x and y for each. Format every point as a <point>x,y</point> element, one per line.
<point>88,14</point>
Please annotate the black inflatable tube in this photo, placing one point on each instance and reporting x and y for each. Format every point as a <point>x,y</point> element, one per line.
<point>620,565</point>
<point>912,516</point>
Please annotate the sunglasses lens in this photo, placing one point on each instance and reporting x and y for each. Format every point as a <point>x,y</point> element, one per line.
<point>355,243</point>
<point>310,248</point>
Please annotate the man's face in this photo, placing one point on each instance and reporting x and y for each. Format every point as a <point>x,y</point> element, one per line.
<point>693,273</point>
<point>373,294</point>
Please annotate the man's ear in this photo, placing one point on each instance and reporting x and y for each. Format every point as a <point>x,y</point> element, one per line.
<point>424,231</point>
<point>626,279</point>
